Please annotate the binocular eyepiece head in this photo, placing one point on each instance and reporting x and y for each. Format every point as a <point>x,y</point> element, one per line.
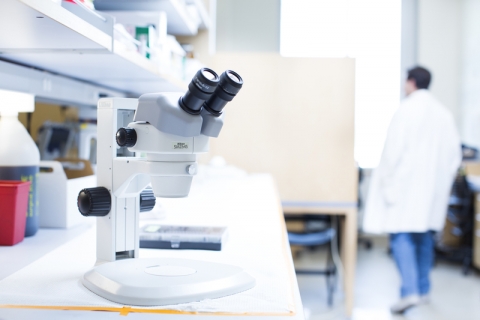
<point>229,85</point>
<point>210,91</point>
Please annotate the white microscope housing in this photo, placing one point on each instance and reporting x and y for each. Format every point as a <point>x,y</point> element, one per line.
<point>154,140</point>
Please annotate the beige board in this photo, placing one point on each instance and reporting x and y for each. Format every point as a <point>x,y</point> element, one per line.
<point>293,118</point>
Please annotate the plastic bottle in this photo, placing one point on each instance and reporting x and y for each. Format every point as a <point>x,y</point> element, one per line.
<point>19,155</point>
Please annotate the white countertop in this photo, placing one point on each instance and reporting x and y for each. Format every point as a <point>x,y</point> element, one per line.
<point>247,204</point>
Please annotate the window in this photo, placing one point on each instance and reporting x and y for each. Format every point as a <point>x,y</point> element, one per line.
<point>367,30</point>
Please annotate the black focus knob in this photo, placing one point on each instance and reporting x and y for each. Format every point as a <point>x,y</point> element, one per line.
<point>147,200</point>
<point>94,202</point>
<point>126,137</point>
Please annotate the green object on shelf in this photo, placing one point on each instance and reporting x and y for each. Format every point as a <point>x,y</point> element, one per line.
<point>145,36</point>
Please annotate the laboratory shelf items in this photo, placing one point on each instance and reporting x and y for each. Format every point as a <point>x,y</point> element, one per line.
<point>45,35</point>
<point>184,17</point>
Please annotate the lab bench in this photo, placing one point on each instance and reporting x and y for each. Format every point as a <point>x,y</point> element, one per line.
<point>247,204</point>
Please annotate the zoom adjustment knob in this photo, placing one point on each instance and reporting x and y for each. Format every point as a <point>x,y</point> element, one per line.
<point>147,200</point>
<point>126,137</point>
<point>94,202</point>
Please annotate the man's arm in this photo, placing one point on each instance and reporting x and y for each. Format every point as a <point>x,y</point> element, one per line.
<point>393,152</point>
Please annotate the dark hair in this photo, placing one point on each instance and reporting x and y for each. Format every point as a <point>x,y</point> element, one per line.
<point>421,76</point>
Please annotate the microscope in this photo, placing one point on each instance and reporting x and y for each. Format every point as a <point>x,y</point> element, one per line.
<point>154,141</point>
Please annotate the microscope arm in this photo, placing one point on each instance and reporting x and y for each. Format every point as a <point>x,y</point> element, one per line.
<point>133,175</point>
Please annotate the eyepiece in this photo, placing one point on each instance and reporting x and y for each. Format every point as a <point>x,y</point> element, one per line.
<point>234,76</point>
<point>209,74</point>
<point>201,87</point>
<point>230,84</point>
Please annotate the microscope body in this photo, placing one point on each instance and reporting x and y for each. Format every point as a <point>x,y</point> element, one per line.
<point>154,141</point>
<point>165,159</point>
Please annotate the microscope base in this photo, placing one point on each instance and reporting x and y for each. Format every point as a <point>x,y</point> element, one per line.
<point>165,281</point>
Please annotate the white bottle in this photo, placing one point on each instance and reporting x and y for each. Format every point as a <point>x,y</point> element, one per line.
<point>19,155</point>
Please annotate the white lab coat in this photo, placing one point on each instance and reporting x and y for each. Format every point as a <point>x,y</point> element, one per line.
<point>410,188</point>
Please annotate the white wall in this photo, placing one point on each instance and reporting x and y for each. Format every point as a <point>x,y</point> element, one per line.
<point>439,43</point>
<point>470,76</point>
<point>446,39</point>
<point>409,45</point>
<point>449,45</point>
<point>248,25</point>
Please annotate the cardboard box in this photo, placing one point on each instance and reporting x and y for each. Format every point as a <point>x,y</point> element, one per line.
<point>58,191</point>
<point>476,234</point>
<point>472,168</point>
<point>472,171</point>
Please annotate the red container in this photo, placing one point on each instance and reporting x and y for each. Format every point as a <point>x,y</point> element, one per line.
<point>13,211</point>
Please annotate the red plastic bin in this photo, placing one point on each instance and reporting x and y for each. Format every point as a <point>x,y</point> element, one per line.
<point>13,211</point>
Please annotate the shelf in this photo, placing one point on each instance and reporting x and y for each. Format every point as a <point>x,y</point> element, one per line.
<point>64,44</point>
<point>179,20</point>
<point>122,70</point>
<point>204,15</point>
<point>52,89</point>
<point>42,25</point>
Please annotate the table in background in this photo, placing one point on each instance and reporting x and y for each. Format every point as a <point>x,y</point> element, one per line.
<point>348,231</point>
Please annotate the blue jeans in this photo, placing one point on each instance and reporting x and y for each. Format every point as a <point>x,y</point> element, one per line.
<point>414,254</point>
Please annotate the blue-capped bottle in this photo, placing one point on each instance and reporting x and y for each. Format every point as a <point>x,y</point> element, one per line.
<point>19,155</point>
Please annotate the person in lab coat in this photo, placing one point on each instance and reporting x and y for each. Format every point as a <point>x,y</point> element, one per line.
<point>410,188</point>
